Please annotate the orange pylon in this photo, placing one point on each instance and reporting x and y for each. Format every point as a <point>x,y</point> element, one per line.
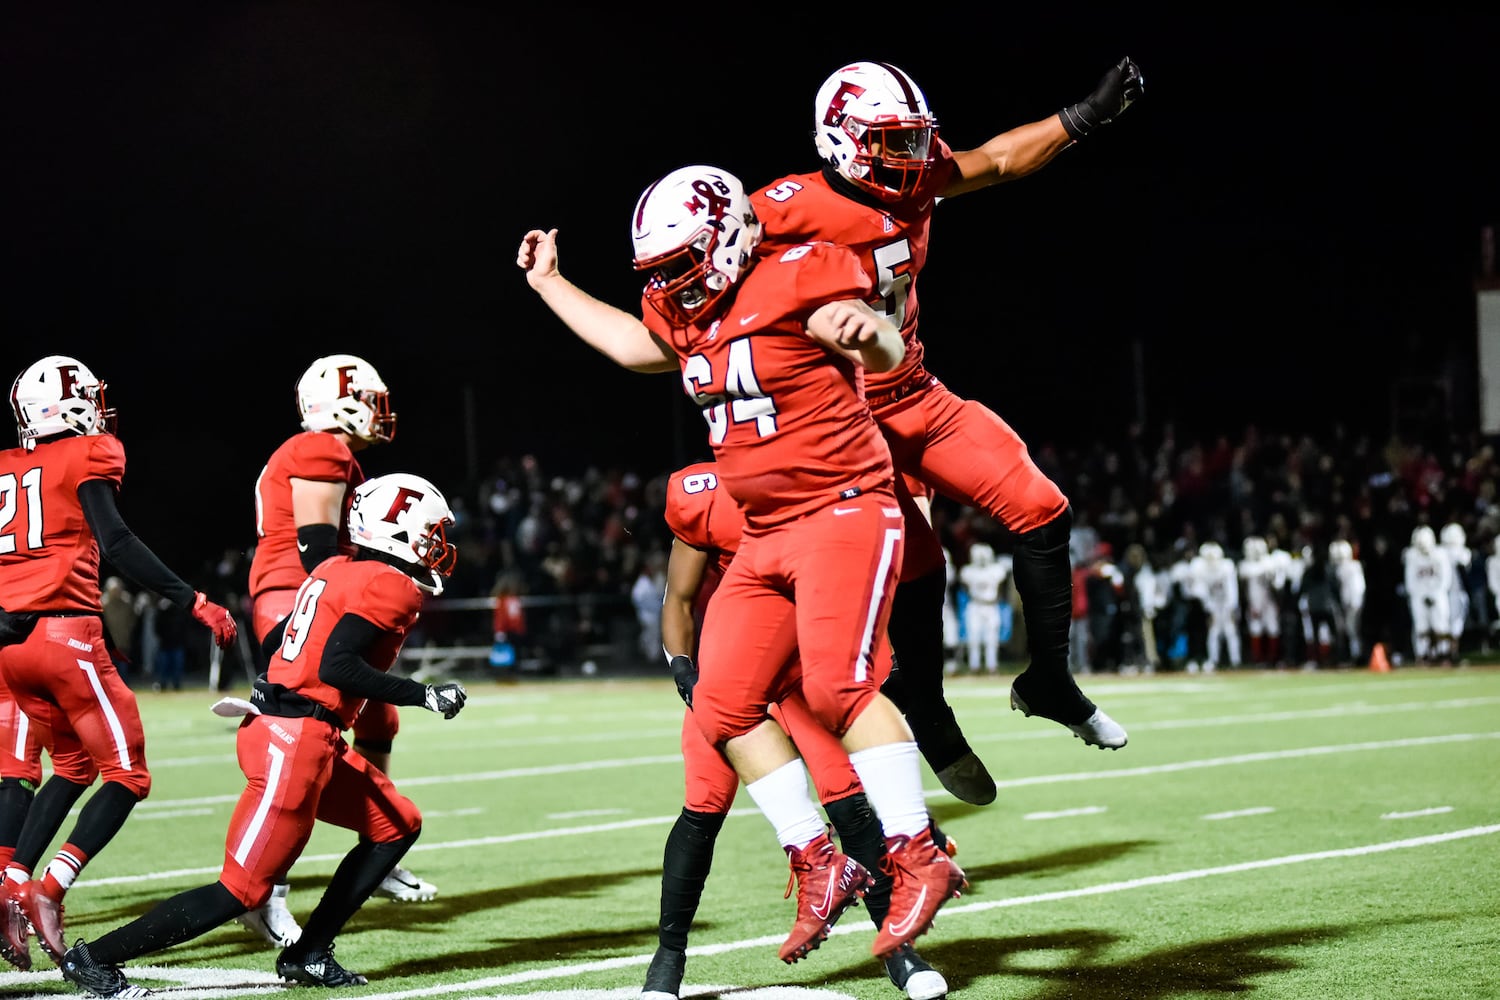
<point>1379,662</point>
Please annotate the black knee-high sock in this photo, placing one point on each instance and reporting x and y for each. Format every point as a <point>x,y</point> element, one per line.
<point>15,802</point>
<point>172,921</point>
<point>1044,581</point>
<point>916,681</point>
<point>685,864</point>
<point>102,816</point>
<point>358,875</point>
<point>48,810</point>
<point>860,837</point>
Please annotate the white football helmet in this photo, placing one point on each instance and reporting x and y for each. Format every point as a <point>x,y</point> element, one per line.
<point>871,124</point>
<point>1453,535</point>
<point>1255,547</point>
<point>693,232</point>
<point>59,395</point>
<point>1340,551</point>
<point>341,392</point>
<point>981,554</point>
<point>405,516</point>
<point>1423,539</point>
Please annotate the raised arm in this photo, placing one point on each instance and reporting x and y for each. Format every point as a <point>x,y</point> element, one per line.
<point>616,334</point>
<point>1027,148</point>
<point>853,329</point>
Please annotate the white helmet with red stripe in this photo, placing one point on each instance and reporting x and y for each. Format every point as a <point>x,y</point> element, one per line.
<point>693,233</point>
<point>405,516</point>
<point>871,124</point>
<point>59,395</point>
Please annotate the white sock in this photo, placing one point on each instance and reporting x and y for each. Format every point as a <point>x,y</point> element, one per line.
<point>892,776</point>
<point>784,800</point>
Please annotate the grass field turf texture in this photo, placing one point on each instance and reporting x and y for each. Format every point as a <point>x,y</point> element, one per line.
<point>1279,835</point>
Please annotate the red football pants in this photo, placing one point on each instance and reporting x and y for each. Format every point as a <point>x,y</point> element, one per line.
<point>20,748</point>
<point>965,451</point>
<point>64,681</point>
<point>819,587</point>
<point>298,771</point>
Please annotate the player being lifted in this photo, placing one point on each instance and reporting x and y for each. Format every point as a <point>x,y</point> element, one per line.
<point>884,171</point>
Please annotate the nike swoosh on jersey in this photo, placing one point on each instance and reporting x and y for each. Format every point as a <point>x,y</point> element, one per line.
<point>840,511</point>
<point>747,320</point>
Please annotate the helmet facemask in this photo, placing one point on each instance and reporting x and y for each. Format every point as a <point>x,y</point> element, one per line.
<point>890,157</point>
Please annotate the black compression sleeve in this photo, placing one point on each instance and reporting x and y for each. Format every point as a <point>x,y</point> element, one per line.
<point>127,553</point>
<point>345,667</point>
<point>316,542</point>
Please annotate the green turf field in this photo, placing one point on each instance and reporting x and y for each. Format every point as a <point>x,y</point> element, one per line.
<point>1291,835</point>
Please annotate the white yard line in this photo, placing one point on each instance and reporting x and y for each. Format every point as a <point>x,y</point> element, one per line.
<point>1046,779</point>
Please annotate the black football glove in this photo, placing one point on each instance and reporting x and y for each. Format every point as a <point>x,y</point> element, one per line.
<point>447,698</point>
<point>684,675</point>
<point>1116,91</point>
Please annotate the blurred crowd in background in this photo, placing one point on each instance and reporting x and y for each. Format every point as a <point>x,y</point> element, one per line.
<point>559,568</point>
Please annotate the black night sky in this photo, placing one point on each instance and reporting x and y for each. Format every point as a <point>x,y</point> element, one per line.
<point>199,202</point>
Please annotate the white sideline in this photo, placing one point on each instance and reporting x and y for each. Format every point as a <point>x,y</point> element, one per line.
<point>511,838</point>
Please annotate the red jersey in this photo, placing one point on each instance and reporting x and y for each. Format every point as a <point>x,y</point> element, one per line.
<point>787,419</point>
<point>314,455</point>
<point>49,558</point>
<point>377,592</point>
<point>890,239</point>
<point>704,516</point>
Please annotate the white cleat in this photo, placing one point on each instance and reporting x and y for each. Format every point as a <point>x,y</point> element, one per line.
<point>1098,730</point>
<point>273,921</point>
<point>404,887</point>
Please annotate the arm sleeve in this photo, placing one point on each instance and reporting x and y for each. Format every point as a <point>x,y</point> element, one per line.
<point>316,542</point>
<point>127,553</point>
<point>345,667</point>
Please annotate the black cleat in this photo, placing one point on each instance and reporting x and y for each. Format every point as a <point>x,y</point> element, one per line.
<point>315,968</point>
<point>913,976</point>
<point>80,969</point>
<point>664,977</point>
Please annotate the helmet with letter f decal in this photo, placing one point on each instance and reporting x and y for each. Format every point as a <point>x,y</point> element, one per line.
<point>405,516</point>
<point>693,233</point>
<point>872,125</point>
<point>59,395</point>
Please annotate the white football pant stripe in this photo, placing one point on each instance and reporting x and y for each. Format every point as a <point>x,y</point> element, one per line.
<point>122,749</point>
<point>263,807</point>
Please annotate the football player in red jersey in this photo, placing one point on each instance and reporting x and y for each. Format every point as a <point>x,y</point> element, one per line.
<point>57,515</point>
<point>773,353</point>
<point>884,171</point>
<point>706,526</point>
<point>301,515</point>
<point>346,627</point>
